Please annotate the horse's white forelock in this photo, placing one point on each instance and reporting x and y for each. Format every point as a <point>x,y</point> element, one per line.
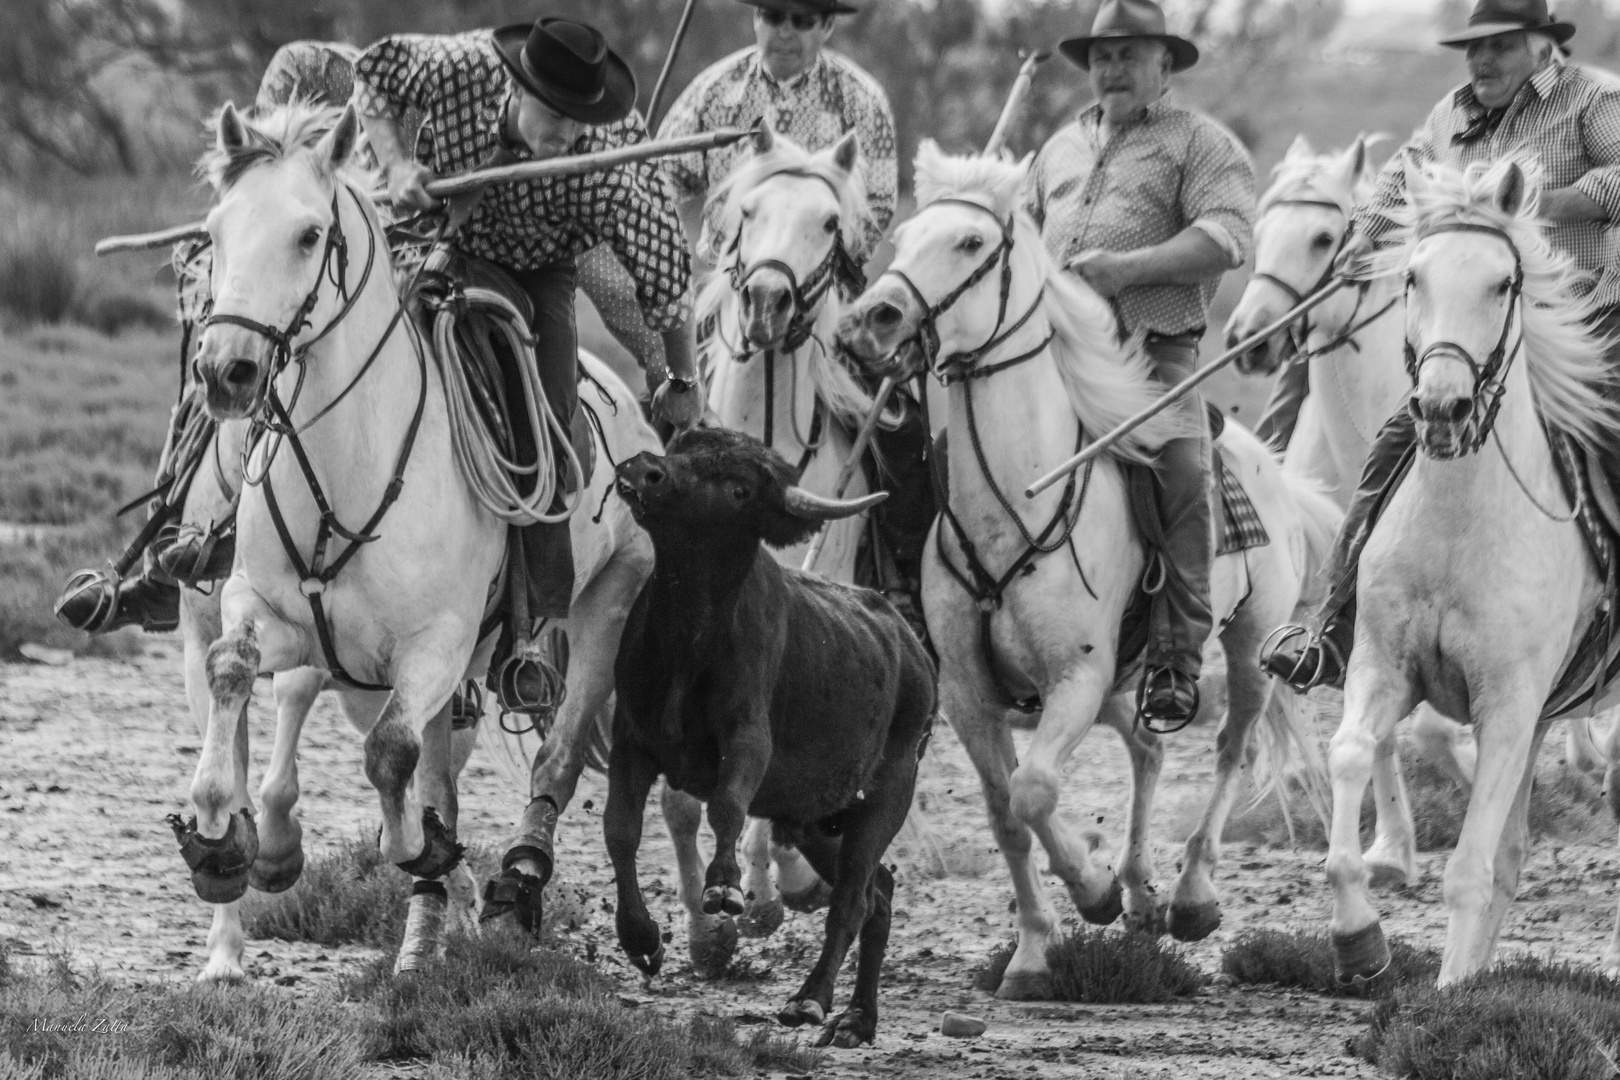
<point>279,134</point>
<point>1302,173</point>
<point>833,381</point>
<point>1569,372</point>
<point>1106,381</point>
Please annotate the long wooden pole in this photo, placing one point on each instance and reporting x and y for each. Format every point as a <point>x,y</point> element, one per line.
<point>669,64</point>
<point>998,136</point>
<point>550,169</point>
<point>1182,389</point>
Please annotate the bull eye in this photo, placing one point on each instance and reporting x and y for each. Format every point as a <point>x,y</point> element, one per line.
<point>739,492</point>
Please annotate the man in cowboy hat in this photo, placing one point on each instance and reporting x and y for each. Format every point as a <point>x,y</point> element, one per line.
<point>814,95</point>
<point>1151,203</point>
<point>522,93</point>
<point>1520,97</point>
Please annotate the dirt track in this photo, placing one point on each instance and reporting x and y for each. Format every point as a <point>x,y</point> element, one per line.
<point>94,754</point>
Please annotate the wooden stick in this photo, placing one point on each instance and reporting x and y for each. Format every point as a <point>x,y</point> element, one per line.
<point>1182,389</point>
<point>1009,111</point>
<point>550,169</point>
<point>669,63</point>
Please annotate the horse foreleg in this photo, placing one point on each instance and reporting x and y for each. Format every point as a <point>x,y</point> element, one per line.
<point>711,940</point>
<point>1392,859</point>
<point>281,852</point>
<point>1144,911</point>
<point>1377,695</point>
<point>1071,708</point>
<point>1515,844</point>
<point>436,785</point>
<point>414,836</point>
<point>763,909</point>
<point>1507,726</point>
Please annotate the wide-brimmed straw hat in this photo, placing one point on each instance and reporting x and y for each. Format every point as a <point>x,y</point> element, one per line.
<point>569,66</point>
<point>1493,17</point>
<point>804,7</point>
<point>1129,19</point>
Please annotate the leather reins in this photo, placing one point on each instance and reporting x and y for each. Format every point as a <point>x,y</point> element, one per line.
<point>1489,376</point>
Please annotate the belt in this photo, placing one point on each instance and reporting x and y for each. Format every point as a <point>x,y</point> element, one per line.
<point>1191,338</point>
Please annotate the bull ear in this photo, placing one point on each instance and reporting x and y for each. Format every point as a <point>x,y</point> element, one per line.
<point>847,154</point>
<point>1510,192</point>
<point>340,142</point>
<point>803,504</point>
<point>232,135</point>
<point>764,135</point>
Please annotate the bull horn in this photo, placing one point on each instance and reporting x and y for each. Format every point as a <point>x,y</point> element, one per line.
<point>804,504</point>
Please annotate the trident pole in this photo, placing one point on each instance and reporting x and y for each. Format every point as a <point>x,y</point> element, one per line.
<point>669,64</point>
<point>998,137</point>
<point>1182,389</point>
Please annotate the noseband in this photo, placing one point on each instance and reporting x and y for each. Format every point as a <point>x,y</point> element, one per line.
<point>839,267</point>
<point>962,366</point>
<point>1490,376</point>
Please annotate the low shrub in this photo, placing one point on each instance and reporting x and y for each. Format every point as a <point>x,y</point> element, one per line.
<point>1279,958</point>
<point>1530,1019</point>
<point>1099,967</point>
<point>40,280</point>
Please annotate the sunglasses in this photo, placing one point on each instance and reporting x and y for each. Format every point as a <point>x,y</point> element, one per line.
<point>800,20</point>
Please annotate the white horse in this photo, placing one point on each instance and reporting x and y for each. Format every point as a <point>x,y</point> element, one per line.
<point>388,558</point>
<point>1476,585</point>
<point>1030,378</point>
<point>795,225</point>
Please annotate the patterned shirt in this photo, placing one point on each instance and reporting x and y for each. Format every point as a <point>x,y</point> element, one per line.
<point>1172,170</point>
<point>461,87</point>
<point>1569,118</point>
<point>815,109</point>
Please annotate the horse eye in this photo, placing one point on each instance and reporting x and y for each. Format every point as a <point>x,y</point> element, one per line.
<point>310,237</point>
<point>1411,279</point>
<point>748,212</point>
<point>1502,289</point>
<point>972,244</point>
<point>1322,240</point>
<point>831,224</point>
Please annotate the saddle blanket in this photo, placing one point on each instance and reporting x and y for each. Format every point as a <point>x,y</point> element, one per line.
<point>1239,527</point>
<point>1597,658</point>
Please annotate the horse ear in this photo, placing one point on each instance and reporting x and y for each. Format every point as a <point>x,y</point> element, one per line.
<point>764,135</point>
<point>340,142</point>
<point>1300,147</point>
<point>1356,157</point>
<point>1510,192</point>
<point>847,154</point>
<point>232,135</point>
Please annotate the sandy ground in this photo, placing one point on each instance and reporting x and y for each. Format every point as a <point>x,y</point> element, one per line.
<point>92,756</point>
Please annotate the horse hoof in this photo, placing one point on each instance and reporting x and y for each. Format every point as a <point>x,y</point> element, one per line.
<point>801,1011</point>
<point>1025,986</point>
<point>814,898</point>
<point>1194,922</point>
<point>219,868</point>
<point>1360,957</point>
<point>649,965</point>
<point>848,1030</point>
<point>1153,922</point>
<point>712,947</point>
<point>517,892</point>
<point>276,875</point>
<point>440,852</point>
<point>222,971</point>
<point>1386,876</point>
<point>761,919</point>
<point>1108,909</point>
<point>722,900</point>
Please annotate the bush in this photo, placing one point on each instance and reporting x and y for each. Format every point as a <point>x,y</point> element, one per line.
<point>1276,958</point>
<point>39,273</point>
<point>1530,1019</point>
<point>1097,967</point>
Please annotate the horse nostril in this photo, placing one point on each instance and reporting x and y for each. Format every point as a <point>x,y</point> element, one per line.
<point>885,316</point>
<point>782,302</point>
<point>241,373</point>
<point>1459,408</point>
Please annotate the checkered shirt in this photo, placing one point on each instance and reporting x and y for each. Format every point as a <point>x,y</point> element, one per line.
<point>461,86</point>
<point>815,109</point>
<point>1569,118</point>
<point>1172,170</point>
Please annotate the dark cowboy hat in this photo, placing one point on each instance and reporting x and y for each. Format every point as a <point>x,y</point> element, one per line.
<point>1493,17</point>
<point>1129,19</point>
<point>804,7</point>
<point>569,66</point>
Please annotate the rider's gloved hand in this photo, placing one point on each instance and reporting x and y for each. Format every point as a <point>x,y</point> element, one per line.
<point>678,403</point>
<point>407,185</point>
<point>1352,258</point>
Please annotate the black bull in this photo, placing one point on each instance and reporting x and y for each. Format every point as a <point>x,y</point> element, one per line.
<point>763,691</point>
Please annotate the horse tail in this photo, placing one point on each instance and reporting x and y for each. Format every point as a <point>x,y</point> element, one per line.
<point>1319,519</point>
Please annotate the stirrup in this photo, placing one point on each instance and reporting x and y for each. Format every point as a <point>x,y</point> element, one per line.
<point>466,706</point>
<point>103,585</point>
<point>1294,673</point>
<point>1153,679</point>
<point>534,684</point>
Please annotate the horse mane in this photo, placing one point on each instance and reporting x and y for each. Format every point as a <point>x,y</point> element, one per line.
<point>715,298</point>
<point>1303,172</point>
<point>1107,382</point>
<point>1567,366</point>
<point>277,134</point>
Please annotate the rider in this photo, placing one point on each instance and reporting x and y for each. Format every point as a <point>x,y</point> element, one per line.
<point>525,93</point>
<point>1150,204</point>
<point>813,95</point>
<point>1520,97</point>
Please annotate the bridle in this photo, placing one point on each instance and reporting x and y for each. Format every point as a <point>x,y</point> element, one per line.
<point>1491,375</point>
<point>964,365</point>
<point>839,267</point>
<point>316,574</point>
<point>1354,325</point>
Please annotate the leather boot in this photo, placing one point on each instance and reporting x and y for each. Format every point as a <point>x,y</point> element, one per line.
<point>192,553</point>
<point>94,601</point>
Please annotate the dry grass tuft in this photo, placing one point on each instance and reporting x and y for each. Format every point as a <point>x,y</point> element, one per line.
<point>1098,967</point>
<point>1277,958</point>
